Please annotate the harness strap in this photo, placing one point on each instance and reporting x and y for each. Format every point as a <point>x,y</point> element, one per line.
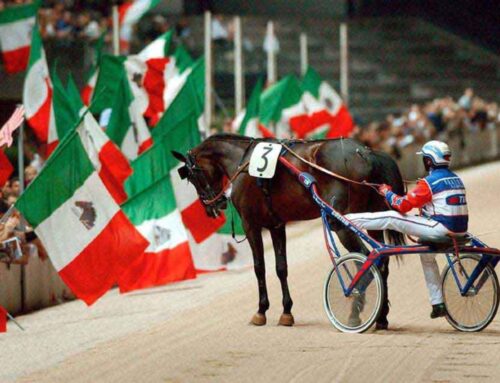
<point>264,186</point>
<point>329,172</point>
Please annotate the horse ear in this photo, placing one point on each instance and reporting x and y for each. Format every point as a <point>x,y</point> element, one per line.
<point>181,157</point>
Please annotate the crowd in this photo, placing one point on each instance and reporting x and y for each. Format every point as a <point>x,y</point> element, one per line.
<point>441,118</point>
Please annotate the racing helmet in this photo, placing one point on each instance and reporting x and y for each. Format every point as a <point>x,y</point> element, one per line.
<point>438,152</point>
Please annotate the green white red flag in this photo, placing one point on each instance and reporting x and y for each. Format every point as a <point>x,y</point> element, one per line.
<point>91,78</point>
<point>281,106</point>
<point>109,162</point>
<point>247,122</point>
<point>153,80</point>
<point>6,168</point>
<point>16,26</point>
<point>130,12</point>
<point>73,94</point>
<point>127,127</point>
<point>329,116</point>
<point>3,319</point>
<point>65,114</point>
<point>89,239</point>
<point>154,213</point>
<point>37,95</point>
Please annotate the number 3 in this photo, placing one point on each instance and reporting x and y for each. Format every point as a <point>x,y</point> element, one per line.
<point>264,157</point>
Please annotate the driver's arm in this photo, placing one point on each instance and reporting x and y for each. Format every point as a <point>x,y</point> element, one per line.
<point>417,198</point>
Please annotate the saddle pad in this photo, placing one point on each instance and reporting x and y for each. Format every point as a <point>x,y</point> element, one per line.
<point>264,160</point>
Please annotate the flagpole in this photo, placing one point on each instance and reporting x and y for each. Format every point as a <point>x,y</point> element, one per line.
<point>238,67</point>
<point>116,30</point>
<point>271,55</point>
<point>20,170</point>
<point>344,64</point>
<point>304,59</point>
<point>15,321</point>
<point>20,157</point>
<point>208,74</point>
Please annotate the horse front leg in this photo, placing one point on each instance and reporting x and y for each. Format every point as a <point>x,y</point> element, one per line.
<point>254,236</point>
<point>278,236</point>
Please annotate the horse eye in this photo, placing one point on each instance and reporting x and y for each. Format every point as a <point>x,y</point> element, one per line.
<point>183,172</point>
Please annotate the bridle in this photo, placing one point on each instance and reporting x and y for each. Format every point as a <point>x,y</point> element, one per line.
<point>196,175</point>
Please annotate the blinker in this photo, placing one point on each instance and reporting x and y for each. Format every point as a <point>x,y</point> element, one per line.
<point>183,172</point>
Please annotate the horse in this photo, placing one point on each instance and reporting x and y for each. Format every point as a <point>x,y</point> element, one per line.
<point>270,204</point>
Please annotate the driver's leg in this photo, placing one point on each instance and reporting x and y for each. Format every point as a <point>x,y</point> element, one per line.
<point>415,226</point>
<point>432,278</point>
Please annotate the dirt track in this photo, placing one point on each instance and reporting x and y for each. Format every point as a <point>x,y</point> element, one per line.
<point>198,331</point>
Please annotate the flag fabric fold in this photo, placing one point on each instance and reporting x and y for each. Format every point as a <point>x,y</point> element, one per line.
<point>3,320</point>
<point>89,239</point>
<point>281,106</point>
<point>130,12</point>
<point>38,93</point>
<point>329,116</point>
<point>6,168</point>
<point>16,26</point>
<point>168,257</point>
<point>247,123</point>
<point>110,163</point>
<point>127,127</point>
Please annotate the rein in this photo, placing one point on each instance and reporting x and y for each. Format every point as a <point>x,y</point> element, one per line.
<point>228,183</point>
<point>329,172</point>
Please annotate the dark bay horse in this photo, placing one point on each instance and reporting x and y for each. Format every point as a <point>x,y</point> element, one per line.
<point>273,203</point>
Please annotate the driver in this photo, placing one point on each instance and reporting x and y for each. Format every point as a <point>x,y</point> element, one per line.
<point>443,212</point>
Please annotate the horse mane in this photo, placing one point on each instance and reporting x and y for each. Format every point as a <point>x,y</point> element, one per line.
<point>237,137</point>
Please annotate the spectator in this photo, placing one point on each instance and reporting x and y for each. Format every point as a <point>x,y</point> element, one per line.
<point>87,28</point>
<point>465,101</point>
<point>219,31</point>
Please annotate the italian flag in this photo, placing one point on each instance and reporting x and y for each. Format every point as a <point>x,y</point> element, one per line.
<point>16,26</point>
<point>168,258</point>
<point>73,94</point>
<point>184,100</point>
<point>88,90</point>
<point>109,162</point>
<point>6,168</point>
<point>37,95</point>
<point>127,127</point>
<point>130,13</point>
<point>66,114</point>
<point>247,122</point>
<point>91,78</point>
<point>154,82</point>
<point>329,116</point>
<point>90,241</point>
<point>281,105</point>
<point>163,79</point>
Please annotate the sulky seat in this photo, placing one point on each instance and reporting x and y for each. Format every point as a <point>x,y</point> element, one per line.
<point>446,242</point>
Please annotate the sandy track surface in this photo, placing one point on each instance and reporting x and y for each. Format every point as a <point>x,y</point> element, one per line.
<point>198,330</point>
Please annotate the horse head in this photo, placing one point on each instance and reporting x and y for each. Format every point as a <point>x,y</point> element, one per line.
<point>201,169</point>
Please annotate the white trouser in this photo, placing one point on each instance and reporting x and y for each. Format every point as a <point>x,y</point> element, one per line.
<point>417,226</point>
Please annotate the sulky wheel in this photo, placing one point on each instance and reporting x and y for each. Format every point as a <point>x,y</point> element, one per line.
<point>475,310</point>
<point>358,311</point>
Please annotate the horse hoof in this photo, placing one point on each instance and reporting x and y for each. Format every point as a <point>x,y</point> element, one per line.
<point>258,319</point>
<point>382,326</point>
<point>286,320</point>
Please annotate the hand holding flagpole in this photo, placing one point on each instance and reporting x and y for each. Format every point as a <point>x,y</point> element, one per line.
<point>10,126</point>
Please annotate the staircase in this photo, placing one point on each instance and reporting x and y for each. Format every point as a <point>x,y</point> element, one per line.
<point>394,62</point>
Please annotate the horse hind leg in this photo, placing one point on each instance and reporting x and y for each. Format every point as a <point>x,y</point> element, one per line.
<point>353,244</point>
<point>254,236</point>
<point>278,236</point>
